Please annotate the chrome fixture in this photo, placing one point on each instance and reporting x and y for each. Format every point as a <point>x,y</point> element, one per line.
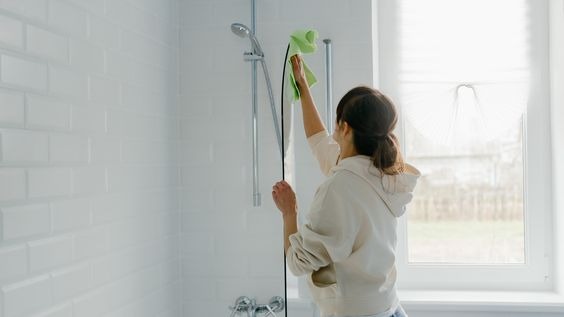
<point>243,31</point>
<point>255,55</point>
<point>329,85</point>
<point>245,304</point>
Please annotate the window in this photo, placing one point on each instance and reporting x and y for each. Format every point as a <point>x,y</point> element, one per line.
<point>470,79</point>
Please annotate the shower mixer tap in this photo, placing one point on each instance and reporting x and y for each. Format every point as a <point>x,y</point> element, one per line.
<point>245,304</point>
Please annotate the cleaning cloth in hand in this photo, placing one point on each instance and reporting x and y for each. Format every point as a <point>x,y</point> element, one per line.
<point>301,42</point>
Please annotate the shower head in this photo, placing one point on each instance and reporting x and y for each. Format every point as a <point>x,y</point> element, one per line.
<point>243,31</point>
<point>240,29</point>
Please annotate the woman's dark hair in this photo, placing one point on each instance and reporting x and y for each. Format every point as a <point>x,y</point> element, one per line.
<point>372,117</point>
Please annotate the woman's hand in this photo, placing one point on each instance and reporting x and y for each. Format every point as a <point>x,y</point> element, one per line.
<point>298,69</point>
<point>284,198</point>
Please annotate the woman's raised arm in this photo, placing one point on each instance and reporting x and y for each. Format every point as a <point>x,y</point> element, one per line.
<point>312,119</point>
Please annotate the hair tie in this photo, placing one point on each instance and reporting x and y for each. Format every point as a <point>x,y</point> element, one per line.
<point>381,137</point>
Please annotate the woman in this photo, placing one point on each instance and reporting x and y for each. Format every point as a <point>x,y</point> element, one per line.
<point>347,247</point>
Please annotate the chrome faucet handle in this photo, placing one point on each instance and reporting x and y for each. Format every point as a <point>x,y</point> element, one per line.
<point>270,311</point>
<point>233,312</point>
<point>246,304</point>
<point>276,303</point>
<point>242,304</point>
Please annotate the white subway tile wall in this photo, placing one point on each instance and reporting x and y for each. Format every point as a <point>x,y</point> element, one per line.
<point>228,247</point>
<point>11,108</point>
<point>11,31</point>
<point>45,44</point>
<point>23,72</point>
<point>89,176</point>
<point>125,152</point>
<point>49,114</point>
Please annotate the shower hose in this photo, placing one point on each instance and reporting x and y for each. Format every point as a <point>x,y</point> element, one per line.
<point>283,171</point>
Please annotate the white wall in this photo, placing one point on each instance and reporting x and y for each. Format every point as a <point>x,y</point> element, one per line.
<point>93,148</point>
<point>88,158</point>
<point>230,248</point>
<point>557,115</point>
<point>216,124</point>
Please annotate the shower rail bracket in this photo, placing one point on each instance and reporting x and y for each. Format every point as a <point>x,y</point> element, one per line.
<point>250,56</point>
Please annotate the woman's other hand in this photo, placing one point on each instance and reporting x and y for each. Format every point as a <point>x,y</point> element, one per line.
<point>298,69</point>
<point>284,198</point>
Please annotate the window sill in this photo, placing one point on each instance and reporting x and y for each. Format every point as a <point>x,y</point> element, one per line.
<point>482,301</point>
<point>486,301</point>
<point>301,302</point>
<point>300,307</point>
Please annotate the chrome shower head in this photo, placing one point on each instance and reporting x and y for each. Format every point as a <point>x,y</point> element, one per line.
<point>243,31</point>
<point>240,30</point>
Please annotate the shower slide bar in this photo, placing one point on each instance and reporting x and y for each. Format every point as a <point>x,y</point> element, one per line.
<point>257,55</point>
<point>328,84</point>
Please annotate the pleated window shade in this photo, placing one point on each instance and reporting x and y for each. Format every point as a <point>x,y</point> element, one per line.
<point>463,83</point>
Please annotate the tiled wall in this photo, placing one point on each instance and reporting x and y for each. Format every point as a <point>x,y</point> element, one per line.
<point>228,247</point>
<point>113,201</point>
<point>88,158</point>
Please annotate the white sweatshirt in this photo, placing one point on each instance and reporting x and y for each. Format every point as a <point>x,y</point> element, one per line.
<point>347,245</point>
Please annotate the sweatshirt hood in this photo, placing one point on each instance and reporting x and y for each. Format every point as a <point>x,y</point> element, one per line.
<point>395,190</point>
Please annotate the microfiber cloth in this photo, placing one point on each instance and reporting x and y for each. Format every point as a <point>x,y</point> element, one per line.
<point>301,42</point>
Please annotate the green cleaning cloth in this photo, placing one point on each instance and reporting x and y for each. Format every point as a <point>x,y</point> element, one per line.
<point>302,42</point>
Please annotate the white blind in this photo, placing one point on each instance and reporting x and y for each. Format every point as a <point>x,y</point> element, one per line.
<point>463,67</point>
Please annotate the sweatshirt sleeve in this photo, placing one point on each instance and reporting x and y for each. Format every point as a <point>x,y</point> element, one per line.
<point>328,236</point>
<point>325,150</point>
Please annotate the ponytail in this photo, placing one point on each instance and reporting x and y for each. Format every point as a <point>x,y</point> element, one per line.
<point>387,156</point>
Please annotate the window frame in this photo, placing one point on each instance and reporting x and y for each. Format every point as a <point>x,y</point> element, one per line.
<point>537,272</point>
